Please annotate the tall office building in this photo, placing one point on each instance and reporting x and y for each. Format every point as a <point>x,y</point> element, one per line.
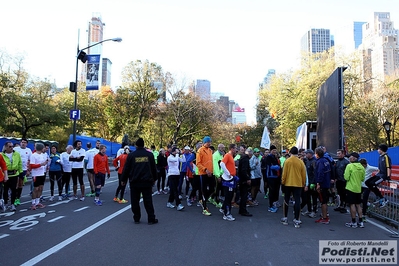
<point>317,41</point>
<point>380,48</point>
<point>357,33</point>
<point>203,89</point>
<point>268,78</point>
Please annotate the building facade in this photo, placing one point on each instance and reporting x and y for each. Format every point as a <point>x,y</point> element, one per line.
<point>317,41</point>
<point>203,89</point>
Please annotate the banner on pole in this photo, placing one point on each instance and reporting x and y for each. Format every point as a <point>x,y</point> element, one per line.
<point>93,70</point>
<point>265,142</point>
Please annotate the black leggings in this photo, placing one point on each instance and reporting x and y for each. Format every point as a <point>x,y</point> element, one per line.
<point>121,188</point>
<point>309,199</point>
<point>161,177</point>
<point>66,178</point>
<point>296,192</point>
<point>55,176</point>
<point>207,188</point>
<point>274,190</point>
<point>373,183</point>
<point>195,183</point>
<point>11,183</point>
<point>173,189</point>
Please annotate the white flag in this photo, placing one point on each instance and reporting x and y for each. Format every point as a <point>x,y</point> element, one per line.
<point>265,142</point>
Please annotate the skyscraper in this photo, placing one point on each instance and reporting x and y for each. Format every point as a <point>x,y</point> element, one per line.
<point>316,41</point>
<point>380,48</point>
<point>203,89</point>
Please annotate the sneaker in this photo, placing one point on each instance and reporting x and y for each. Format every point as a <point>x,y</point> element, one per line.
<point>159,193</point>
<point>364,220</point>
<point>155,221</point>
<point>266,196</point>
<point>272,209</point>
<point>98,202</point>
<point>276,204</point>
<point>212,201</point>
<point>189,203</point>
<point>59,198</point>
<point>17,202</point>
<point>295,221</point>
<point>228,217</point>
<point>360,225</point>
<point>82,199</point>
<point>116,199</point>
<point>383,202</point>
<point>122,201</point>
<point>256,203</point>
<point>164,192</point>
<point>199,204</point>
<point>170,205</point>
<point>235,205</point>
<point>180,196</point>
<point>180,207</point>
<point>221,211</point>
<point>284,221</point>
<point>344,210</point>
<point>75,197</point>
<point>12,208</point>
<point>312,215</point>
<point>219,205</point>
<point>40,206</point>
<point>250,203</point>
<point>305,213</point>
<point>323,220</point>
<point>206,212</point>
<point>33,207</point>
<point>351,225</point>
<point>51,198</point>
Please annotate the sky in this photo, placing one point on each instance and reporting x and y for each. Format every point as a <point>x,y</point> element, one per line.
<point>231,43</point>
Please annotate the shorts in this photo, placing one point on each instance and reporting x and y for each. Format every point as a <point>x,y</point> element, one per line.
<point>99,179</point>
<point>353,198</point>
<point>39,180</point>
<point>324,195</point>
<point>255,182</point>
<point>91,171</point>
<point>22,175</point>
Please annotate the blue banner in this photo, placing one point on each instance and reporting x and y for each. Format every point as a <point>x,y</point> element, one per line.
<point>93,72</point>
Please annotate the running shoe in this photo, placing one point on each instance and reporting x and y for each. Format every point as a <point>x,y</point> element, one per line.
<point>206,212</point>
<point>170,205</point>
<point>221,211</point>
<point>122,201</point>
<point>90,194</point>
<point>51,198</point>
<point>323,220</point>
<point>305,213</point>
<point>351,225</point>
<point>276,204</point>
<point>312,215</point>
<point>297,221</point>
<point>360,225</point>
<point>82,199</point>
<point>228,217</point>
<point>40,206</point>
<point>284,221</point>
<point>266,196</point>
<point>189,203</point>
<point>272,209</point>
<point>116,199</point>
<point>212,201</point>
<point>98,202</point>
<point>12,208</point>
<point>219,205</point>
<point>180,207</point>
<point>59,198</point>
<point>17,202</point>
<point>383,202</point>
<point>33,207</point>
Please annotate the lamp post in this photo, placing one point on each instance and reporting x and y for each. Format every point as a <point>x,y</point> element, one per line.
<point>387,126</point>
<point>81,55</point>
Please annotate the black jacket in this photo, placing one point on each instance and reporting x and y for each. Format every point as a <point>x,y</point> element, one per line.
<point>140,168</point>
<point>162,162</point>
<point>244,171</point>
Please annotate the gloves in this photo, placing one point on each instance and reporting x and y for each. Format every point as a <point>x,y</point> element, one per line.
<point>312,186</point>
<point>108,175</point>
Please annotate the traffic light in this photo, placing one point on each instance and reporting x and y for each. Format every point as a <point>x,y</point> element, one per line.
<point>72,86</point>
<point>82,56</point>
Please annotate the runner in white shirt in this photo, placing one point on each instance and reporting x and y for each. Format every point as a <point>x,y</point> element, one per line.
<point>89,167</point>
<point>38,164</point>
<point>25,153</point>
<point>66,169</point>
<point>77,158</point>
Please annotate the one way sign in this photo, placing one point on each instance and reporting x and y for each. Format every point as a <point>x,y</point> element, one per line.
<point>74,114</point>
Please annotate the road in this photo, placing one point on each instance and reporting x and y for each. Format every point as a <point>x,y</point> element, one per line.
<point>80,233</point>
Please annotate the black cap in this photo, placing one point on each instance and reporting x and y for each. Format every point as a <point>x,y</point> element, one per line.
<point>383,147</point>
<point>140,143</point>
<point>354,154</point>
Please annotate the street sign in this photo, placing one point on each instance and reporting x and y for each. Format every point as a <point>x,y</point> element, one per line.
<point>74,114</point>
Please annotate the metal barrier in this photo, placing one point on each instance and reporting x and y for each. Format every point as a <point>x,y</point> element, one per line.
<point>390,212</point>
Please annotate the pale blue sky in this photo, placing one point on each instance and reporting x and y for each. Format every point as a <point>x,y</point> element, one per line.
<point>231,43</point>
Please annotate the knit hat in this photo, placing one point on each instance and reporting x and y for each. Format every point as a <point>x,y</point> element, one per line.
<point>207,139</point>
<point>294,150</point>
<point>272,147</point>
<point>383,147</point>
<point>140,143</point>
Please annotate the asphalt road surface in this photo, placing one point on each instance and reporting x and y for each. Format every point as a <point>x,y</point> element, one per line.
<point>72,232</point>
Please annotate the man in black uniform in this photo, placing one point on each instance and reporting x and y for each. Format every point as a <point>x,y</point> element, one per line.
<point>244,174</point>
<point>140,169</point>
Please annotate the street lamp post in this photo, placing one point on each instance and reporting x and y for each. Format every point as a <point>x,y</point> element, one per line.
<point>81,55</point>
<point>387,126</point>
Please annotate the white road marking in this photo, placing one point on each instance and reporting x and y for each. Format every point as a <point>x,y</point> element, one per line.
<point>81,209</point>
<point>59,202</point>
<point>4,235</point>
<point>55,219</point>
<point>380,226</point>
<point>73,238</point>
